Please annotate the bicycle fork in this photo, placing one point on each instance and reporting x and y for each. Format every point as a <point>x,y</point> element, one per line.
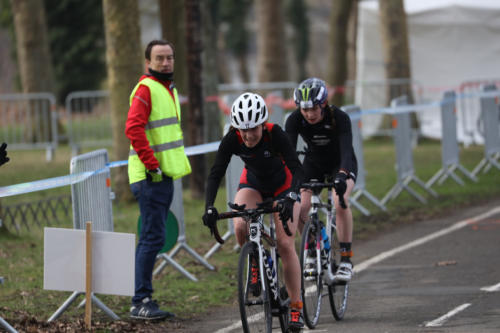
<point>265,270</point>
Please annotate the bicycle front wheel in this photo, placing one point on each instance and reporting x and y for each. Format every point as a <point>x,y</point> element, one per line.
<point>254,301</point>
<point>337,291</point>
<point>311,279</point>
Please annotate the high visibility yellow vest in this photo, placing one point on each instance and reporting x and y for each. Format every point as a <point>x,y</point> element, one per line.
<point>164,134</point>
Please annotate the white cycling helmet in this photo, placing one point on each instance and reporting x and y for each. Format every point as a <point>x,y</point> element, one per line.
<point>248,111</point>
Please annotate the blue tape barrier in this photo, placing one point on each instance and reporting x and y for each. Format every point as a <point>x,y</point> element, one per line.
<point>55,182</point>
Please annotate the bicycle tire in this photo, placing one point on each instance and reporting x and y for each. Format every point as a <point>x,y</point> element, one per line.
<point>255,309</point>
<point>283,297</point>
<point>338,292</point>
<point>312,286</point>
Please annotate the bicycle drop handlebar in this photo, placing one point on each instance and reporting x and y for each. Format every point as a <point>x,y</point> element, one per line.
<point>320,186</point>
<point>265,207</point>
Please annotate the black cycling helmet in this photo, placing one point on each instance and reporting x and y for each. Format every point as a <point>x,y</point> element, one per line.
<point>310,92</point>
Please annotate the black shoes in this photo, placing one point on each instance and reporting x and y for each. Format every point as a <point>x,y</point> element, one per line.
<point>148,310</point>
<point>296,323</point>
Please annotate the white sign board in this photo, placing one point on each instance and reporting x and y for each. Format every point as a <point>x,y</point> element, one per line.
<point>113,261</point>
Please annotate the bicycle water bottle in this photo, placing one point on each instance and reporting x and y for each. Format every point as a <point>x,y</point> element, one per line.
<point>326,241</point>
<point>325,248</point>
<point>270,263</point>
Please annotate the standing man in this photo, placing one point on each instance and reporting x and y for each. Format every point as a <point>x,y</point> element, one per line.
<point>156,159</point>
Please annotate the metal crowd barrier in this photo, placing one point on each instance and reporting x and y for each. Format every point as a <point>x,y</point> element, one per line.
<point>404,156</point>
<point>470,115</point>
<point>491,120</point>
<point>177,209</point>
<point>88,119</point>
<point>91,199</point>
<point>449,144</point>
<point>3,322</point>
<point>354,113</point>
<point>29,121</point>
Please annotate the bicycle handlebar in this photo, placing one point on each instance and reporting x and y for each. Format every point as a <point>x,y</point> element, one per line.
<point>265,207</point>
<point>320,186</point>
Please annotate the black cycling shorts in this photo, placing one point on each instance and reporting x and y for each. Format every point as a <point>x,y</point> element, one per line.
<point>321,170</point>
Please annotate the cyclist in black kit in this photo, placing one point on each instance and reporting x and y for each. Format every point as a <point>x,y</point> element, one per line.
<point>327,132</point>
<point>272,170</point>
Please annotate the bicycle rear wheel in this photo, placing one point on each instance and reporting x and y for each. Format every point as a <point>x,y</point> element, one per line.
<point>312,284</point>
<point>337,291</point>
<point>255,303</point>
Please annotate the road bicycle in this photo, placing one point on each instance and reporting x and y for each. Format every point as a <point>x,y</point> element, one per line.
<point>320,256</point>
<point>261,290</point>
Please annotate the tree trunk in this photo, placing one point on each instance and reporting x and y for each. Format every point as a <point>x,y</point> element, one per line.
<point>297,16</point>
<point>195,95</point>
<point>124,63</point>
<point>352,35</point>
<point>33,52</point>
<point>394,34</point>
<point>271,52</point>
<point>34,59</point>
<point>337,73</point>
<point>212,118</point>
<point>173,29</point>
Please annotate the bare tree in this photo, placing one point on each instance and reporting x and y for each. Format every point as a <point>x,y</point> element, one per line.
<point>271,51</point>
<point>125,64</point>
<point>195,94</point>
<point>337,72</point>
<point>394,33</point>
<point>173,29</point>
<point>212,121</point>
<point>33,52</point>
<point>352,34</point>
<point>34,58</point>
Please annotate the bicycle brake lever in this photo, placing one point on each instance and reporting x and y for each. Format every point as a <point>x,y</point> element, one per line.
<point>287,230</point>
<point>342,202</point>
<point>236,206</point>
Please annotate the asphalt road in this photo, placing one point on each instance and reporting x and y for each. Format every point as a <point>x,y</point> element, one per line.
<point>440,275</point>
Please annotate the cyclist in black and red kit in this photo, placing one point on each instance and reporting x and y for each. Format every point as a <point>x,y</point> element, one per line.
<point>272,170</point>
<point>327,132</point>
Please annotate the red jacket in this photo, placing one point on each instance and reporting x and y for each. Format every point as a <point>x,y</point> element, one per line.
<point>137,118</point>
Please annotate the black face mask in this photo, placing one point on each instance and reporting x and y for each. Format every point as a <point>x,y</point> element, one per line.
<point>162,76</point>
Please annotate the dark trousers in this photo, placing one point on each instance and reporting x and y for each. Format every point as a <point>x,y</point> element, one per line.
<point>154,203</point>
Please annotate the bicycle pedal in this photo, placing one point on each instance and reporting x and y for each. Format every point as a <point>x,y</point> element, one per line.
<point>310,275</point>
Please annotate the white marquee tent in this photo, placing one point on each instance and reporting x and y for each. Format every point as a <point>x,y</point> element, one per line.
<point>451,42</point>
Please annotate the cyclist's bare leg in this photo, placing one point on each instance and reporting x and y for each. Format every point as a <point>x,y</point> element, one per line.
<point>344,216</point>
<point>289,258</point>
<point>305,206</point>
<point>250,198</point>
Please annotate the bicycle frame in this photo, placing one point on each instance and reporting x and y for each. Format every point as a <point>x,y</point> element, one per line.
<point>256,233</point>
<point>329,209</point>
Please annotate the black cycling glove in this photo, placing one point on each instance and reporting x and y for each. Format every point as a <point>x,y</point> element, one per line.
<point>210,218</point>
<point>3,154</point>
<point>286,211</point>
<point>340,184</point>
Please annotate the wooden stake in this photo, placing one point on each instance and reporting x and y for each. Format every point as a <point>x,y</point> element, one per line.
<point>88,275</point>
